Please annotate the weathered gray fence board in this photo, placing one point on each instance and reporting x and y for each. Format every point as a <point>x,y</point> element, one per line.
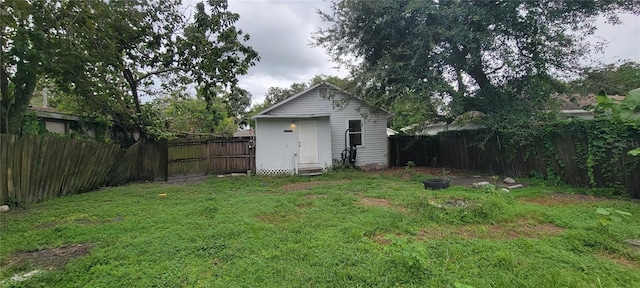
<point>37,168</point>
<point>189,157</point>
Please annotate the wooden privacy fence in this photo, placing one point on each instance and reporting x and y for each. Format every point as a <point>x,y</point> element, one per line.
<point>37,168</point>
<point>192,157</point>
<point>461,150</point>
<point>144,160</point>
<point>420,150</point>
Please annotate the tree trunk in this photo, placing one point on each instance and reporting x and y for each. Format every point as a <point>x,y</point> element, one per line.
<point>133,85</point>
<point>4,91</point>
<point>12,113</point>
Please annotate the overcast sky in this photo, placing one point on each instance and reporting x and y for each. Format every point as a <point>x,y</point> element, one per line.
<point>281,32</point>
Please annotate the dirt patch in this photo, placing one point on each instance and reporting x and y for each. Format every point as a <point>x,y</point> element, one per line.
<point>308,185</point>
<point>558,199</point>
<point>620,260</point>
<point>455,176</point>
<point>512,230</point>
<point>48,258</point>
<point>369,202</point>
<point>304,206</point>
<point>381,239</point>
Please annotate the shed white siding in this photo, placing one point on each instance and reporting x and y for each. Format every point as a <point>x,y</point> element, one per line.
<point>277,149</point>
<point>341,110</point>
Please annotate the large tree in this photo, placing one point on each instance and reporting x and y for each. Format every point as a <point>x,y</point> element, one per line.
<point>35,39</point>
<point>181,113</point>
<point>121,50</point>
<point>448,57</point>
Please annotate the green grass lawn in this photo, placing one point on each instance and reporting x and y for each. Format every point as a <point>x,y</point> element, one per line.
<point>353,229</point>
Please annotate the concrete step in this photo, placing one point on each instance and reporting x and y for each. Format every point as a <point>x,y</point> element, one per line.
<point>311,170</point>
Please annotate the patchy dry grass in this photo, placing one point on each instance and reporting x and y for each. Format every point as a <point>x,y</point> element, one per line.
<point>355,229</point>
<point>621,260</point>
<point>299,186</point>
<point>563,199</point>
<point>378,202</point>
<point>502,231</point>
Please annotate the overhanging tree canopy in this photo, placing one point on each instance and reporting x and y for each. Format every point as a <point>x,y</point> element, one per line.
<point>107,54</point>
<point>451,56</point>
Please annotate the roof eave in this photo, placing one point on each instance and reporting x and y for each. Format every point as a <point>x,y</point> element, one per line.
<point>291,116</point>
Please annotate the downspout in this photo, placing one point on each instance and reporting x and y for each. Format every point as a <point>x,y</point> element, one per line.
<point>295,161</point>
<point>296,152</point>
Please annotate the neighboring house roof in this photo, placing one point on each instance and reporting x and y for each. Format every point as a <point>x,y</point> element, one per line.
<point>244,133</point>
<point>576,105</point>
<point>263,113</point>
<point>391,132</point>
<point>59,122</point>
<point>52,113</point>
<point>576,101</point>
<point>435,128</point>
<point>462,122</point>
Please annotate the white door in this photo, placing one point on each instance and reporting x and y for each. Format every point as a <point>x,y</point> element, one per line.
<point>308,141</point>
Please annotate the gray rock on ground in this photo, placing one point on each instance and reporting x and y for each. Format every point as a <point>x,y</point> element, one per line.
<point>480,184</point>
<point>372,167</point>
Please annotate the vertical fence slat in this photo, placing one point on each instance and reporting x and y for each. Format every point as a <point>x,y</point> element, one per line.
<point>37,168</point>
<point>193,157</point>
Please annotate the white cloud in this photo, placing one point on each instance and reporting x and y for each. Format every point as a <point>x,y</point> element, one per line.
<point>623,40</point>
<point>281,32</point>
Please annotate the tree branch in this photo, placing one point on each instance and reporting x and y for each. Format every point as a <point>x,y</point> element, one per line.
<point>158,72</point>
<point>133,84</point>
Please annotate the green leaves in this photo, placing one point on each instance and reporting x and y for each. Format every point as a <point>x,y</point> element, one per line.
<point>613,79</point>
<point>108,55</point>
<point>627,111</point>
<point>630,106</point>
<point>410,255</point>
<point>607,216</point>
<point>500,58</point>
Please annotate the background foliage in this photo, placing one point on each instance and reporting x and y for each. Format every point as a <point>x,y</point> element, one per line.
<point>440,59</point>
<point>103,56</point>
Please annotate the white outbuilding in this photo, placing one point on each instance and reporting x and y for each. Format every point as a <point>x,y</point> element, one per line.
<point>305,133</point>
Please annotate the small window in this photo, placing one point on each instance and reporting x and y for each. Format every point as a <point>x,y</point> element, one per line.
<point>324,93</point>
<point>355,132</point>
<point>56,127</point>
